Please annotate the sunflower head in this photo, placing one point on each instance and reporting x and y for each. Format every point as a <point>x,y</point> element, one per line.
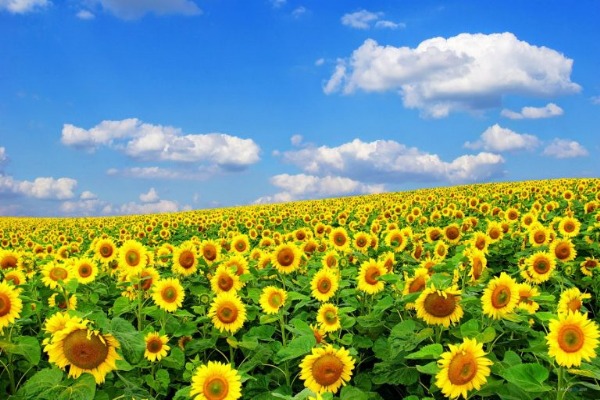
<point>572,338</point>
<point>227,312</point>
<point>326,369</point>
<point>168,294</point>
<point>500,297</point>
<point>216,381</point>
<point>368,276</point>
<point>10,304</point>
<point>156,346</point>
<point>286,258</point>
<point>272,299</point>
<point>324,284</point>
<point>439,307</point>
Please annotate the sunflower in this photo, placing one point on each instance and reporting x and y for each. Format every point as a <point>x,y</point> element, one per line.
<point>168,294</point>
<point>319,333</point>
<point>144,281</point>
<point>388,259</point>
<point>286,258</point>
<point>240,244</point>
<point>326,369</point>
<point>540,266</point>
<point>526,292</point>
<point>361,242</point>
<point>494,231</point>
<point>538,235</point>
<point>58,321</point>
<point>480,241</point>
<point>571,338</point>
<point>328,317</point>
<point>54,273</point>
<point>569,227</point>
<point>330,259</point>
<point>228,313</point>
<point>396,240</point>
<point>83,350</point>
<point>210,251</point>
<point>571,300</point>
<point>338,237</point>
<point>324,284</point>
<point>132,257</point>
<point>156,346</point>
<point>105,250</point>
<point>440,250</point>
<point>85,270</point>
<point>433,234</point>
<point>439,307</point>
<point>58,300</point>
<point>272,299</point>
<point>216,381</point>
<point>238,264</point>
<point>463,368</point>
<point>368,275</point>
<point>225,280</point>
<point>15,277</point>
<point>589,265</point>
<point>185,259</point>
<point>417,282</point>
<point>563,250</point>
<point>452,233</point>
<point>10,304</point>
<point>9,259</point>
<point>500,297</point>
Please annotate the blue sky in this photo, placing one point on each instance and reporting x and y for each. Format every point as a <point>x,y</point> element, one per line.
<point>115,107</point>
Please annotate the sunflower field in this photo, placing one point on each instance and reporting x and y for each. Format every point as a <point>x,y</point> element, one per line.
<point>480,291</point>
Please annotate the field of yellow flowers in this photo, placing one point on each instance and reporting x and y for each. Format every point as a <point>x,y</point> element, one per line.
<point>482,291</point>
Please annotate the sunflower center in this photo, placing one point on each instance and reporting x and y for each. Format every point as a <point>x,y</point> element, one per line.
<point>477,268</point>
<point>501,296</point>
<point>154,345</point>
<point>438,305</point>
<point>209,253</point>
<point>85,352</point>
<point>13,278</point>
<point>58,273</point>
<point>331,261</point>
<point>416,285</point>
<point>85,270</point>
<point>452,233</point>
<point>539,237</point>
<point>569,227</point>
<point>462,369</point>
<point>8,261</point>
<point>562,251</point>
<point>371,276</point>
<point>330,316</point>
<point>361,242</point>
<point>106,250</point>
<point>240,245</point>
<point>339,239</point>
<point>327,369</point>
<point>225,282</point>
<point>5,304</point>
<point>480,243</point>
<point>146,281</point>
<point>275,299</point>
<point>285,257</point>
<point>574,305</point>
<point>541,266</point>
<point>494,233</point>
<point>169,294</point>
<point>132,257</point>
<point>571,338</point>
<point>216,388</point>
<point>227,313</point>
<point>324,285</point>
<point>186,259</point>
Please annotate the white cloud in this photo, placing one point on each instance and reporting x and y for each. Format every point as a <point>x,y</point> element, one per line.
<point>595,99</point>
<point>84,207</point>
<point>87,195</point>
<point>46,188</point>
<point>278,3</point>
<point>23,6</point>
<point>164,143</point>
<point>127,9</point>
<point>85,15</point>
<point>549,110</point>
<point>295,139</point>
<point>387,161</point>
<point>150,197</point>
<point>384,24</point>
<point>360,19</point>
<point>562,148</point>
<point>160,206</point>
<point>320,62</point>
<point>299,12</point>
<point>3,156</point>
<point>465,72</point>
<point>302,186</point>
<point>498,139</point>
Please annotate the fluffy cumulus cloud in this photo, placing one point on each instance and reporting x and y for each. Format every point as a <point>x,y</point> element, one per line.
<point>133,9</point>
<point>144,141</point>
<point>23,6</point>
<point>364,19</point>
<point>498,139</point>
<point>387,161</point>
<point>467,72</point>
<point>3,157</point>
<point>150,197</point>
<point>563,148</point>
<point>549,110</point>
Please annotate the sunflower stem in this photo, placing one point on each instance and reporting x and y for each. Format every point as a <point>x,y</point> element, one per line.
<point>286,368</point>
<point>560,392</point>
<point>140,308</point>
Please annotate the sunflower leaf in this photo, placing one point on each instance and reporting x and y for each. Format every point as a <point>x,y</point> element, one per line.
<point>430,351</point>
<point>297,347</point>
<point>529,377</point>
<point>40,383</point>
<point>131,341</point>
<point>26,346</point>
<point>83,388</point>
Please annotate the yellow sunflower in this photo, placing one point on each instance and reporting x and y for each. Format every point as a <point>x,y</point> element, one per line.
<point>368,275</point>
<point>463,368</point>
<point>339,239</point>
<point>452,233</point>
<point>286,258</point>
<point>227,312</point>
<point>480,241</point>
<point>328,317</point>
<point>500,297</point>
<point>396,240</point>
<point>85,270</point>
<point>439,307</point>
<point>168,294</point>
<point>240,244</point>
<point>477,262</point>
<point>156,346</point>
<point>145,280</point>
<point>83,350</point>
<point>132,257</point>
<point>10,259</point>
<point>361,242</point>
<point>216,381</point>
<point>238,264</point>
<point>571,300</point>
<point>589,265</point>
<point>225,280</point>
<point>417,282</point>
<point>526,292</point>
<point>272,299</point>
<point>330,259</point>
<point>538,235</point>
<point>210,251</point>
<point>494,231</point>
<point>58,321</point>
<point>569,227</point>
<point>10,304</point>
<point>324,284</point>
<point>58,300</point>
<point>54,273</point>
<point>326,369</point>
<point>572,338</point>
<point>540,266</point>
<point>15,277</point>
<point>388,259</point>
<point>105,251</point>
<point>563,250</point>
<point>185,259</point>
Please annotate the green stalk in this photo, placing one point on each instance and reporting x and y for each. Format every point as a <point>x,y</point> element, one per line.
<point>560,392</point>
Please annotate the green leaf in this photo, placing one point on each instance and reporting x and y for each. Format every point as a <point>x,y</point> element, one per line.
<point>263,332</point>
<point>83,388</point>
<point>121,306</point>
<point>297,347</point>
<point>175,359</point>
<point>26,346</point>
<point>183,394</point>
<point>529,377</point>
<point>429,369</point>
<point>488,335</point>
<point>40,383</point>
<point>353,393</point>
<point>131,341</point>
<point>470,328</point>
<point>429,351</point>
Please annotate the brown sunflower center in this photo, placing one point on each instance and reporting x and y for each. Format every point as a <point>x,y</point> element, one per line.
<point>539,237</point>
<point>416,285</point>
<point>569,226</point>
<point>169,294</point>
<point>13,278</point>
<point>85,352</point>
<point>227,313</point>
<point>371,275</point>
<point>186,259</point>
<point>106,250</point>
<point>452,233</point>
<point>58,273</point>
<point>361,242</point>
<point>240,245</point>
<point>209,252</point>
<point>331,261</point>
<point>574,304</point>
<point>154,345</point>
<point>225,282</point>
<point>541,266</point>
<point>324,285</point>
<point>571,338</point>
<point>5,304</point>
<point>501,296</point>
<point>339,239</point>
<point>480,243</point>
<point>477,268</point>
<point>330,317</point>
<point>132,258</point>
<point>215,388</point>
<point>562,251</point>
<point>462,369</point>
<point>494,233</point>
<point>327,369</point>
<point>275,300</point>
<point>439,306</point>
<point>8,261</point>
<point>285,257</point>
<point>85,270</point>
